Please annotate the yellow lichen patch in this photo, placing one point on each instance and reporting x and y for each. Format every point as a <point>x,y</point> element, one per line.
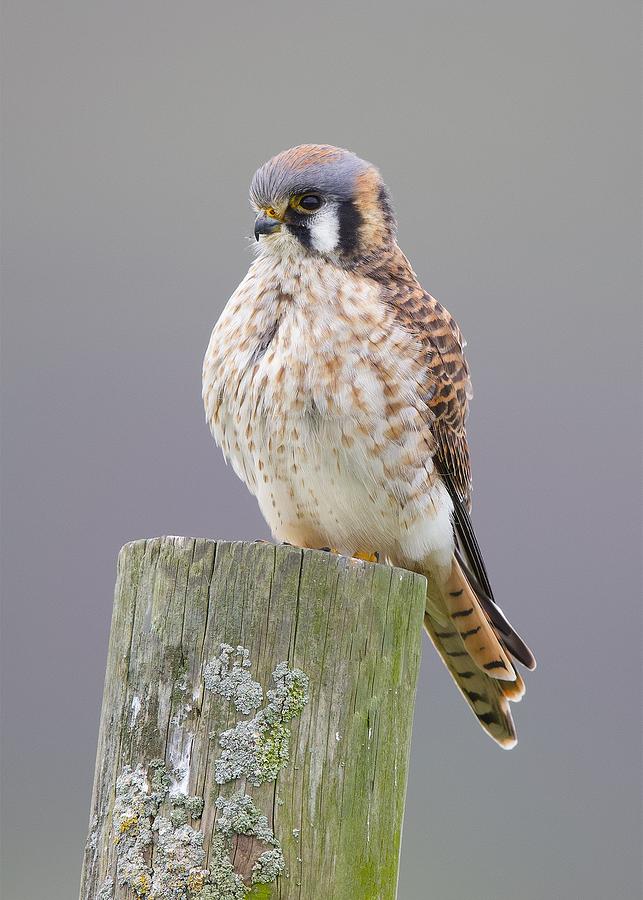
<point>127,822</point>
<point>142,885</point>
<point>196,880</point>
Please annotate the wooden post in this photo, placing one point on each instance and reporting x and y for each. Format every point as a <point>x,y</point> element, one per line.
<point>256,725</point>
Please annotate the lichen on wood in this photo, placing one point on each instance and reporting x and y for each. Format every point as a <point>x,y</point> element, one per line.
<point>163,858</point>
<point>257,749</point>
<point>141,834</point>
<point>227,674</point>
<point>177,869</point>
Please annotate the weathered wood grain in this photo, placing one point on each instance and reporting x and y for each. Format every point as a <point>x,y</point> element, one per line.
<point>337,804</point>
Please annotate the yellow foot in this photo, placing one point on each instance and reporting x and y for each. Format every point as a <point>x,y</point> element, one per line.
<point>331,550</point>
<point>367,557</point>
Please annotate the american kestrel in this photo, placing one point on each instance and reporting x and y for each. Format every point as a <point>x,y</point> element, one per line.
<point>338,389</point>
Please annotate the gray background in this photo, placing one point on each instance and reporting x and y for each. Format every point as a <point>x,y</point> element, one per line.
<point>509,135</point>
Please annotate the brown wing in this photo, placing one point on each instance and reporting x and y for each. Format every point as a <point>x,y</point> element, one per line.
<point>448,405</point>
<point>442,347</point>
<point>450,402</point>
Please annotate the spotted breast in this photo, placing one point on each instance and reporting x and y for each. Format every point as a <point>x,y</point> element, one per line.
<point>318,397</point>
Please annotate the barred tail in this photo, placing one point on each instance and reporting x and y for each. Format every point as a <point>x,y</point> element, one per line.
<point>483,693</point>
<point>475,652</point>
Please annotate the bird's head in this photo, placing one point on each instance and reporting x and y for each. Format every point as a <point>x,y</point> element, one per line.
<point>328,200</point>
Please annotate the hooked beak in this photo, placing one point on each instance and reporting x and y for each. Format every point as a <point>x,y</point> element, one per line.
<point>265,224</point>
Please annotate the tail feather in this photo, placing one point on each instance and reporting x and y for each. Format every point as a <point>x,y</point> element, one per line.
<point>514,691</point>
<point>469,596</point>
<point>473,626</point>
<point>510,637</point>
<point>475,643</point>
<point>485,695</point>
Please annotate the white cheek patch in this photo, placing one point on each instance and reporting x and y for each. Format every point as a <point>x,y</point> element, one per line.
<point>324,230</point>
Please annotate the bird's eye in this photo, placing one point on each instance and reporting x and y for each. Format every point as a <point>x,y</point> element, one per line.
<point>310,202</point>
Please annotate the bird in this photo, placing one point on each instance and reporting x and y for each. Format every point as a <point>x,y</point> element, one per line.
<point>338,389</point>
